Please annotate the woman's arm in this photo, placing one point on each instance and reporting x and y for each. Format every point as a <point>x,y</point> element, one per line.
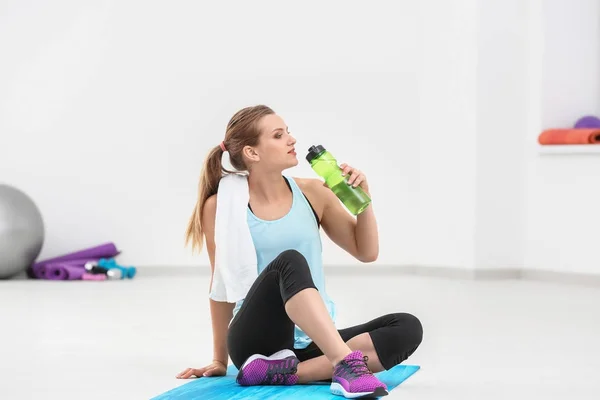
<point>358,236</point>
<point>220,312</point>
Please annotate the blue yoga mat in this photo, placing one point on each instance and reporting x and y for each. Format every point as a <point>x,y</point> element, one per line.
<point>225,388</point>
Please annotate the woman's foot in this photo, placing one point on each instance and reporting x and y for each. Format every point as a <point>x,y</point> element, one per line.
<point>277,369</point>
<point>353,379</point>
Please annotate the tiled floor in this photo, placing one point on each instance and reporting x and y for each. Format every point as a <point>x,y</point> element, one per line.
<point>128,339</point>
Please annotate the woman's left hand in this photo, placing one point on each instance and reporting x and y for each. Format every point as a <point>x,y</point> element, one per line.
<point>356,177</point>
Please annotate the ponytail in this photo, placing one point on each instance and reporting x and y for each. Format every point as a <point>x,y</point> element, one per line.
<point>242,130</point>
<point>209,183</point>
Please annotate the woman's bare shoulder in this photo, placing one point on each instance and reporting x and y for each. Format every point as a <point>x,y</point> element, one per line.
<point>318,194</point>
<point>308,183</point>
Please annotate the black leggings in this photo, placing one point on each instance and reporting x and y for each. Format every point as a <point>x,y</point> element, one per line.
<point>262,326</point>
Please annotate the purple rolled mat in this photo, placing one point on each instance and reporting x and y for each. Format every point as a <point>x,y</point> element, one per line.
<point>39,269</point>
<point>105,250</point>
<point>63,272</point>
<point>55,272</point>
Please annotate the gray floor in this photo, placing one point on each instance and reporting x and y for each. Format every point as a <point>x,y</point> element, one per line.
<point>128,340</point>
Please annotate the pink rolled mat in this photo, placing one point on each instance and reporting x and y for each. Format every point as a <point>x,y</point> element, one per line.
<point>93,277</point>
<point>105,250</point>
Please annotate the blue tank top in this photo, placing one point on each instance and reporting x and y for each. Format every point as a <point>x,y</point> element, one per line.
<point>297,230</point>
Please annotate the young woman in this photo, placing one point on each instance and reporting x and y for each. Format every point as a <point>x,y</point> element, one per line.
<point>283,332</point>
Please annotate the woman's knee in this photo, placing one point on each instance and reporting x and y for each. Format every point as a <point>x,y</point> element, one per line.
<point>291,261</point>
<point>399,339</point>
<point>411,327</point>
<point>406,329</point>
<point>292,256</point>
<point>292,272</point>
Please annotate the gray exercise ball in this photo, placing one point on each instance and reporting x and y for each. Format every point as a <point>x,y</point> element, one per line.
<point>21,231</point>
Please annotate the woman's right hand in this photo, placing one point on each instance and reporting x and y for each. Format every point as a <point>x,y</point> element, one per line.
<point>216,368</point>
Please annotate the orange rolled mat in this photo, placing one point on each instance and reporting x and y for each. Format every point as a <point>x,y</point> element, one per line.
<point>570,136</point>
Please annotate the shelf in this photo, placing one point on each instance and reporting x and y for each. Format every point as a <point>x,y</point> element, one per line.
<point>569,149</point>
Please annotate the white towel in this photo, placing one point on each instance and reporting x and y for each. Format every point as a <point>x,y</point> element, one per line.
<point>235,255</point>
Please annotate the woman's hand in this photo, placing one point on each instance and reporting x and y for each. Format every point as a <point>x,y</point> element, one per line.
<point>356,178</point>
<point>216,368</point>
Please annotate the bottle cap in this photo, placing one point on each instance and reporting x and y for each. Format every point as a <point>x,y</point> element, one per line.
<point>314,151</point>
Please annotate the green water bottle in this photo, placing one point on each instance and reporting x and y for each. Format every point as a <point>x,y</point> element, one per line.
<point>326,166</point>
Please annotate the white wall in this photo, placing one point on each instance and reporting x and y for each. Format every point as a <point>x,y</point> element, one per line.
<point>540,71</point>
<point>501,130</point>
<point>535,65</point>
<point>563,191</point>
<point>107,110</point>
<point>443,225</point>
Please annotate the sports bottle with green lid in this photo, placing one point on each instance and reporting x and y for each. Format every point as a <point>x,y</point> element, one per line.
<point>326,166</point>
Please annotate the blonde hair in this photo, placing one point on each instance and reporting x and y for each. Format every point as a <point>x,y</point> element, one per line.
<point>242,130</point>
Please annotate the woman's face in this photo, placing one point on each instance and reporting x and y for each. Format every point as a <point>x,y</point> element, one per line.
<point>275,148</point>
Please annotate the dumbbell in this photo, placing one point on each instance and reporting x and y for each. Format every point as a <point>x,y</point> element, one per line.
<point>110,268</point>
<point>93,268</point>
<point>116,271</point>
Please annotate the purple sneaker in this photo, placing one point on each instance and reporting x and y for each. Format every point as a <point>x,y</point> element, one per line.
<point>277,369</point>
<point>353,379</point>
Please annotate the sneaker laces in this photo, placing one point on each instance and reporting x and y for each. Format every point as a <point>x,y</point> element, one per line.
<point>278,374</point>
<point>357,366</point>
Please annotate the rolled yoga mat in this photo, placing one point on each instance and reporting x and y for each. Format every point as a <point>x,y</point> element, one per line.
<point>39,270</point>
<point>569,136</point>
<point>225,388</point>
<point>106,250</point>
<point>93,277</point>
<point>64,271</point>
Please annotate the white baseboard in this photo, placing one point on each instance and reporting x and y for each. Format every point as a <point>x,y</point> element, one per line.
<point>592,280</point>
<point>433,271</point>
<point>416,270</point>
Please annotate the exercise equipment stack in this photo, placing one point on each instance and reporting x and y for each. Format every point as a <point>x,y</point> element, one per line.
<point>96,263</point>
